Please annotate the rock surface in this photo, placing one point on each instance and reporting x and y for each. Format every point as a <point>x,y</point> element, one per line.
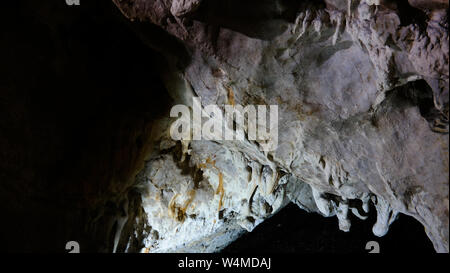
<point>362,91</point>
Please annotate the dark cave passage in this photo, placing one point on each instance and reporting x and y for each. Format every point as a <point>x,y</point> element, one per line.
<point>293,230</point>
<point>76,109</point>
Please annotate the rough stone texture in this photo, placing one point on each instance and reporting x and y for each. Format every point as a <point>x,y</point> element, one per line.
<point>362,90</point>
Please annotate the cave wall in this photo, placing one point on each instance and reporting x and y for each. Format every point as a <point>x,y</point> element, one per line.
<point>362,91</point>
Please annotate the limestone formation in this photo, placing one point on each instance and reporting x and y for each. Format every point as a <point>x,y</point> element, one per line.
<point>362,91</point>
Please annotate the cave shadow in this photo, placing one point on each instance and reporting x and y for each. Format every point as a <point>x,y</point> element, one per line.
<point>78,94</point>
<point>293,230</point>
<point>260,19</point>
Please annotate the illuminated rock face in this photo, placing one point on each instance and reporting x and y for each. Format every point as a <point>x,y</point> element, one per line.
<point>362,91</point>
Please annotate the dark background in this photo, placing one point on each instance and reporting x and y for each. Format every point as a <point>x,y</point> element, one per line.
<point>78,92</point>
<point>294,230</point>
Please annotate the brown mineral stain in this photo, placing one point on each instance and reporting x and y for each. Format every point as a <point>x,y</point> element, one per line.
<point>179,213</point>
<point>172,205</point>
<point>220,190</point>
<point>212,163</point>
<point>230,96</point>
<point>191,196</point>
<point>208,162</point>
